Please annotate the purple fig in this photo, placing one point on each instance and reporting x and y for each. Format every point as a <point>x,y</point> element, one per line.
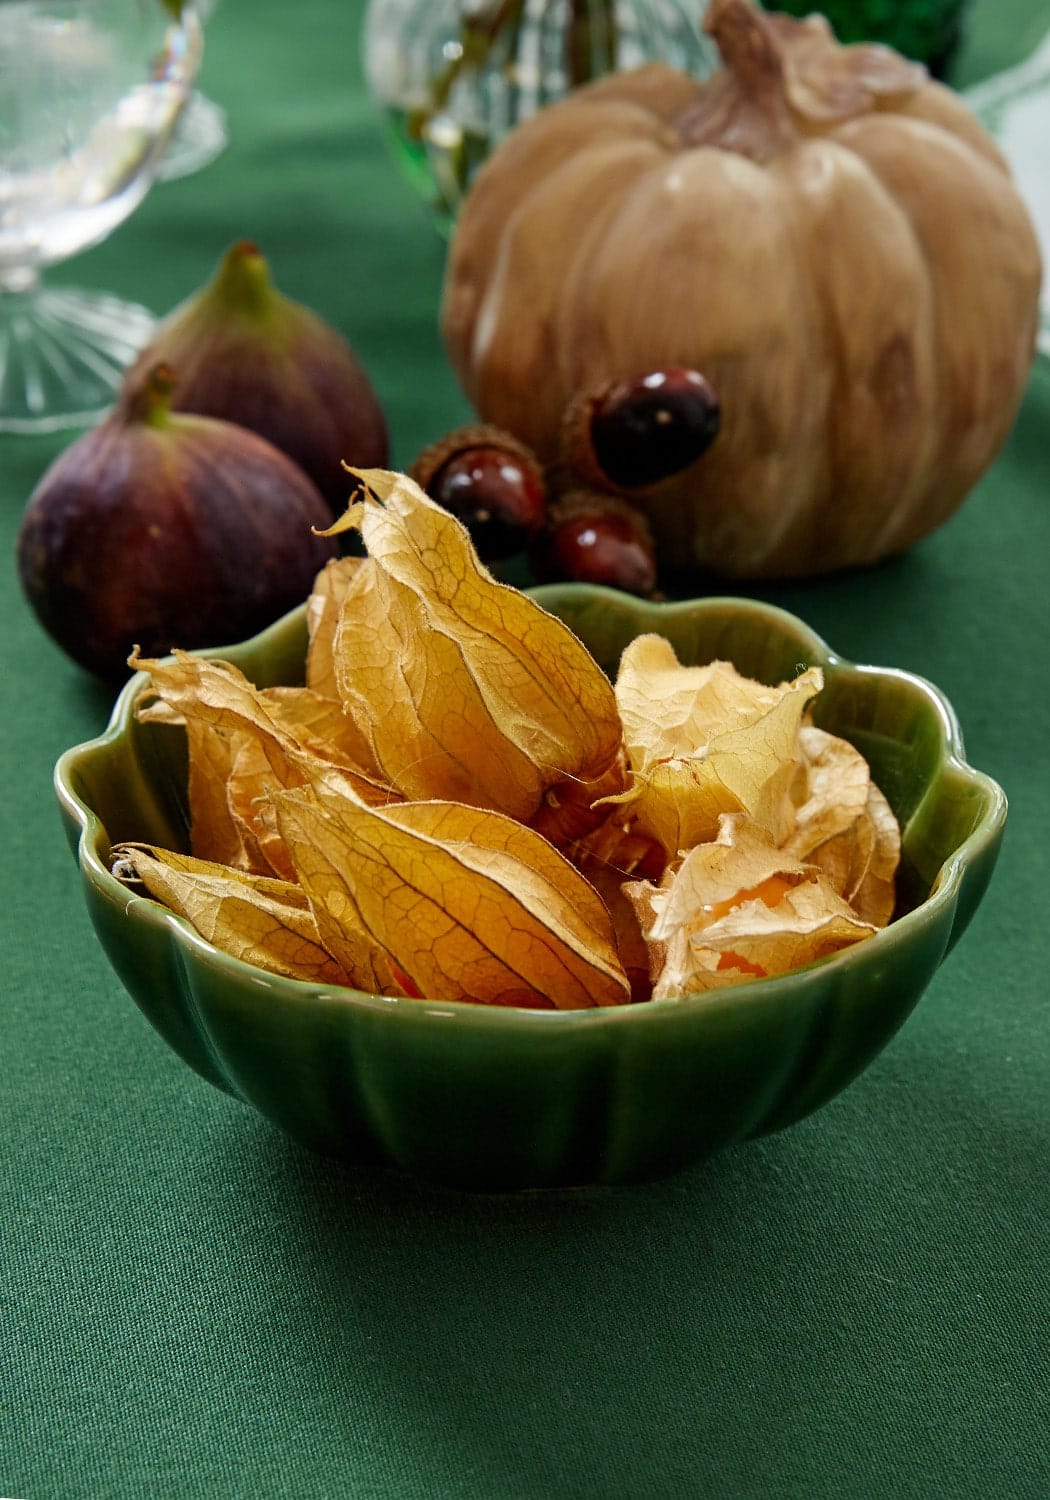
<point>244,352</point>
<point>159,530</point>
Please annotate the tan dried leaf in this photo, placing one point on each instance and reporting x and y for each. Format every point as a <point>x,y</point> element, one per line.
<point>639,958</point>
<point>217,834</point>
<point>252,736</point>
<point>467,903</point>
<point>321,728</point>
<point>845,825</point>
<point>831,789</point>
<point>875,896</point>
<point>248,788</point>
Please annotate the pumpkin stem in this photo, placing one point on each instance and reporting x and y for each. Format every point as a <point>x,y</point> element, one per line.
<point>745,106</point>
<point>746,43</point>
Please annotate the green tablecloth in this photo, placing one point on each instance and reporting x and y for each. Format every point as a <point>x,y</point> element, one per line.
<point>191,1306</point>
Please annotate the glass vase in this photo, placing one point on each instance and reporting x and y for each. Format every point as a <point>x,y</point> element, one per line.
<point>455,76</point>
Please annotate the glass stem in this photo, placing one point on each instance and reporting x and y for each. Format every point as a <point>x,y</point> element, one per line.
<point>16,280</point>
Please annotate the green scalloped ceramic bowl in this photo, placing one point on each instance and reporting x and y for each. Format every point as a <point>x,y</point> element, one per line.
<point>499,1099</point>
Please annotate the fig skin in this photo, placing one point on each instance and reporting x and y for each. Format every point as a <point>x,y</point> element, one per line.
<point>159,530</point>
<point>245,353</point>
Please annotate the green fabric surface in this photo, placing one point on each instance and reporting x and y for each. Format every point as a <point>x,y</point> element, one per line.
<point>191,1306</point>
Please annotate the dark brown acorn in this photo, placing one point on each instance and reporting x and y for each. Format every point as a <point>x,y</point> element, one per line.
<point>246,353</point>
<point>490,482</point>
<point>595,538</point>
<point>635,432</point>
<point>159,530</point>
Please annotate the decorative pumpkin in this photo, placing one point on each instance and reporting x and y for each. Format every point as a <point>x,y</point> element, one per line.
<point>831,238</point>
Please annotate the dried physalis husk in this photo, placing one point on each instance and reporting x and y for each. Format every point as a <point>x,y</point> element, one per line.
<point>466,689</point>
<point>467,903</point>
<point>263,921</point>
<point>844,824</point>
<point>243,741</point>
<point>324,744</point>
<point>704,741</point>
<point>323,610</point>
<point>637,955</point>
<point>740,908</point>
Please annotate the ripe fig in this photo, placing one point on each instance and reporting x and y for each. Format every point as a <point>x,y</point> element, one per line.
<point>159,530</point>
<point>244,352</point>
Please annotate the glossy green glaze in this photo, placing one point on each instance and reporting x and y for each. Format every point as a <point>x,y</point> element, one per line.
<point>496,1098</point>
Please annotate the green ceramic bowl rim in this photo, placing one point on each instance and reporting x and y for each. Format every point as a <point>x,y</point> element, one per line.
<point>510,1018</point>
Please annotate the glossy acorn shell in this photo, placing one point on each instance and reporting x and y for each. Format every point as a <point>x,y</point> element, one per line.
<point>491,1098</point>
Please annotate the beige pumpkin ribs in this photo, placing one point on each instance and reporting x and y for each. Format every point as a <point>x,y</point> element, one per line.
<point>827,235</point>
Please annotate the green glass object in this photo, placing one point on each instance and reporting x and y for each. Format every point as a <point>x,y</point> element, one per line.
<point>484,1097</point>
<point>928,31</point>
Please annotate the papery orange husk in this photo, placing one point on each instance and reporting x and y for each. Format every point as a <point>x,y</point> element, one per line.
<point>636,955</point>
<point>249,739</point>
<point>310,721</point>
<point>323,610</point>
<point>262,921</point>
<point>467,689</point>
<point>467,903</point>
<point>844,824</point>
<point>740,908</point>
<point>703,741</point>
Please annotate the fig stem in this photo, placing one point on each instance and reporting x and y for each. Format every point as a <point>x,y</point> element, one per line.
<point>242,283</point>
<point>149,402</point>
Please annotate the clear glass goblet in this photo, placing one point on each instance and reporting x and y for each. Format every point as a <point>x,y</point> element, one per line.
<point>201,134</point>
<point>90,91</point>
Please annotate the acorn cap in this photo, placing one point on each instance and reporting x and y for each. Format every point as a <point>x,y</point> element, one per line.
<point>576,450</point>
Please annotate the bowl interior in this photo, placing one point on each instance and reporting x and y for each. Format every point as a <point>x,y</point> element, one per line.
<point>902,725</point>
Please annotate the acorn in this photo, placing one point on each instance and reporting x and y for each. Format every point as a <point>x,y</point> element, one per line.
<point>245,353</point>
<point>491,482</point>
<point>158,529</point>
<point>591,537</point>
<point>634,432</point>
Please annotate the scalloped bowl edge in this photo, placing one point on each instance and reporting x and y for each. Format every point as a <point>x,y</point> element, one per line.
<point>490,1097</point>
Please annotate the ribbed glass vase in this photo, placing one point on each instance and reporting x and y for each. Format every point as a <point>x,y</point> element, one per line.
<point>455,76</point>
